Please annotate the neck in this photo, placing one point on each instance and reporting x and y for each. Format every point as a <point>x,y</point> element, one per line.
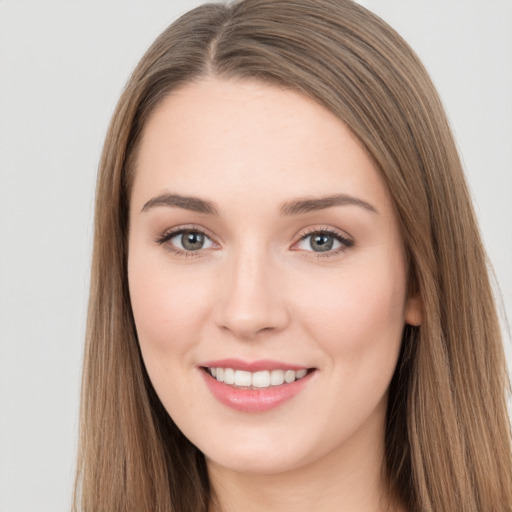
<point>349,479</point>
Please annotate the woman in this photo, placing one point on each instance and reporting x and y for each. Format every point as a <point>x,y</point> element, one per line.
<point>289,305</point>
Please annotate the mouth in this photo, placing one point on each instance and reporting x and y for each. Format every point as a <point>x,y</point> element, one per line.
<point>255,387</point>
<point>256,380</point>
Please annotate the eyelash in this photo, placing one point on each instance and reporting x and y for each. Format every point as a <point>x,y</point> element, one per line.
<point>345,241</point>
<point>168,235</point>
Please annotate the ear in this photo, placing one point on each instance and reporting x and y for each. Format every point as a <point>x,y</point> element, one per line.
<point>414,310</point>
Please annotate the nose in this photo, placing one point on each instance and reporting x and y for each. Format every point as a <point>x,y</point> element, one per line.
<point>251,300</point>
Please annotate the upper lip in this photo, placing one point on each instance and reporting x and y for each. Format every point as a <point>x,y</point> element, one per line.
<point>252,366</point>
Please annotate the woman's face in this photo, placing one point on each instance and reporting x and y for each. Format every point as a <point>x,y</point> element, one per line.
<point>263,246</point>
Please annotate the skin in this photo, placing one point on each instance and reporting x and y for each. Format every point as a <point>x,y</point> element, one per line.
<point>258,290</point>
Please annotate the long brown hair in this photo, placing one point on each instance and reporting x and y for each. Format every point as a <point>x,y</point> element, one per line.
<point>448,435</point>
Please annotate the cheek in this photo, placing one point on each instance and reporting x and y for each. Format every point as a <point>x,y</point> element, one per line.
<point>357,315</point>
<point>167,306</point>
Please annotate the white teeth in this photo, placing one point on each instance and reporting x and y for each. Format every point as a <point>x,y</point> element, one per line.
<point>276,377</point>
<point>229,376</point>
<point>289,376</point>
<point>300,373</point>
<point>261,379</point>
<point>243,378</point>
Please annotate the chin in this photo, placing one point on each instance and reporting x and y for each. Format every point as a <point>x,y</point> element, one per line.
<point>256,462</point>
<point>263,454</point>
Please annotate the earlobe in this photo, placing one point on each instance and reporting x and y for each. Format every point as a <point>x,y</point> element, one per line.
<point>414,310</point>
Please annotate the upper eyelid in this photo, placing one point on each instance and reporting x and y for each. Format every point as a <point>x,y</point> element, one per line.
<point>330,230</point>
<point>346,240</point>
<point>165,238</point>
<point>171,232</point>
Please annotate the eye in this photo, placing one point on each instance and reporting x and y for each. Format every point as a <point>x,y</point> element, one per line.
<point>186,240</point>
<point>322,241</point>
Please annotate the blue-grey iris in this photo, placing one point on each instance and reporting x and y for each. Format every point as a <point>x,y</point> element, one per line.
<point>322,242</point>
<point>192,240</point>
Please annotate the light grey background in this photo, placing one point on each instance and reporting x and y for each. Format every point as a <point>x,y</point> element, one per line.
<point>62,67</point>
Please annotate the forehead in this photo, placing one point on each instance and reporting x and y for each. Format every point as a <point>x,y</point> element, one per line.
<point>230,138</point>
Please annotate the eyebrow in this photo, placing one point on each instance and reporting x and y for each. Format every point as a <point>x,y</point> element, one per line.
<point>194,204</point>
<point>307,205</point>
<point>296,207</point>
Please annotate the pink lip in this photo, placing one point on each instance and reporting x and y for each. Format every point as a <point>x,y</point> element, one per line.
<point>254,400</point>
<point>252,366</point>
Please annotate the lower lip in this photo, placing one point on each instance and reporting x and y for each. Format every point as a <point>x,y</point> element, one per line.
<point>254,400</point>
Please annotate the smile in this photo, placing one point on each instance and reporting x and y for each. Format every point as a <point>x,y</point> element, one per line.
<point>255,387</point>
<point>256,380</point>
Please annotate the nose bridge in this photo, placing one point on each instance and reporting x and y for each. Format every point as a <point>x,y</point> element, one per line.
<point>252,301</point>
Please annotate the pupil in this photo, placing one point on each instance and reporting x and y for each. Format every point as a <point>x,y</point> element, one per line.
<point>192,241</point>
<point>322,243</point>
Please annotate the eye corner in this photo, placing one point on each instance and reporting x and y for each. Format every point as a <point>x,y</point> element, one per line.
<point>339,243</point>
<point>165,239</point>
